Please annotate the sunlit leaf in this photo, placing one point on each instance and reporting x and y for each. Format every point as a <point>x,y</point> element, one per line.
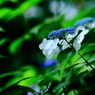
<point>25,5</point>
<point>15,45</point>
<point>2,1</point>
<point>13,14</point>
<point>4,12</point>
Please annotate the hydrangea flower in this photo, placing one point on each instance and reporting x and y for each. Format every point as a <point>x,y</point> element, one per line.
<point>64,43</point>
<point>49,47</point>
<point>81,25</point>
<point>62,37</point>
<point>77,42</point>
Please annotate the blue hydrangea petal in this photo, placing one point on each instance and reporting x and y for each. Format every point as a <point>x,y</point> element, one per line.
<point>84,21</point>
<point>50,62</point>
<point>61,32</point>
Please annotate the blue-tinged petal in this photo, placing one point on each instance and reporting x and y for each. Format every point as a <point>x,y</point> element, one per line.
<point>61,32</point>
<point>50,62</point>
<point>84,21</point>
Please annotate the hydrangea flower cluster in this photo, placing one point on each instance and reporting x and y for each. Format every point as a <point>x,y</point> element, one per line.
<point>62,37</point>
<point>61,32</point>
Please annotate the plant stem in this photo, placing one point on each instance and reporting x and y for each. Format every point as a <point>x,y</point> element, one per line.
<point>80,54</point>
<point>86,61</point>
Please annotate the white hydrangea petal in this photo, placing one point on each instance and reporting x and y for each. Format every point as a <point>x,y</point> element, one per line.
<point>49,51</point>
<point>61,42</point>
<point>49,47</point>
<point>44,51</point>
<point>52,52</point>
<point>44,42</point>
<point>56,41</point>
<point>54,46</point>
<point>41,46</point>
<point>49,44</point>
<point>80,28</point>
<point>84,32</point>
<point>76,45</point>
<point>80,38</point>
<point>57,50</point>
<point>49,56</point>
<point>91,25</point>
<point>69,37</point>
<point>65,45</point>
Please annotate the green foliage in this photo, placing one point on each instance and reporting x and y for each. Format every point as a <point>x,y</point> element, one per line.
<point>14,46</point>
<point>16,89</point>
<point>21,61</point>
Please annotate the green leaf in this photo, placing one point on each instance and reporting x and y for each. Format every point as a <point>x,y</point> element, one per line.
<point>4,12</point>
<point>9,14</point>
<point>28,3</point>
<point>11,73</point>
<point>13,14</point>
<point>63,59</point>
<point>15,45</point>
<point>12,87</point>
<point>63,55</point>
<point>69,67</point>
<point>4,40</point>
<point>2,56</point>
<point>17,89</point>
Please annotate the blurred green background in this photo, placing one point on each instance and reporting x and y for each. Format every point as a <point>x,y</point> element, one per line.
<point>23,25</point>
